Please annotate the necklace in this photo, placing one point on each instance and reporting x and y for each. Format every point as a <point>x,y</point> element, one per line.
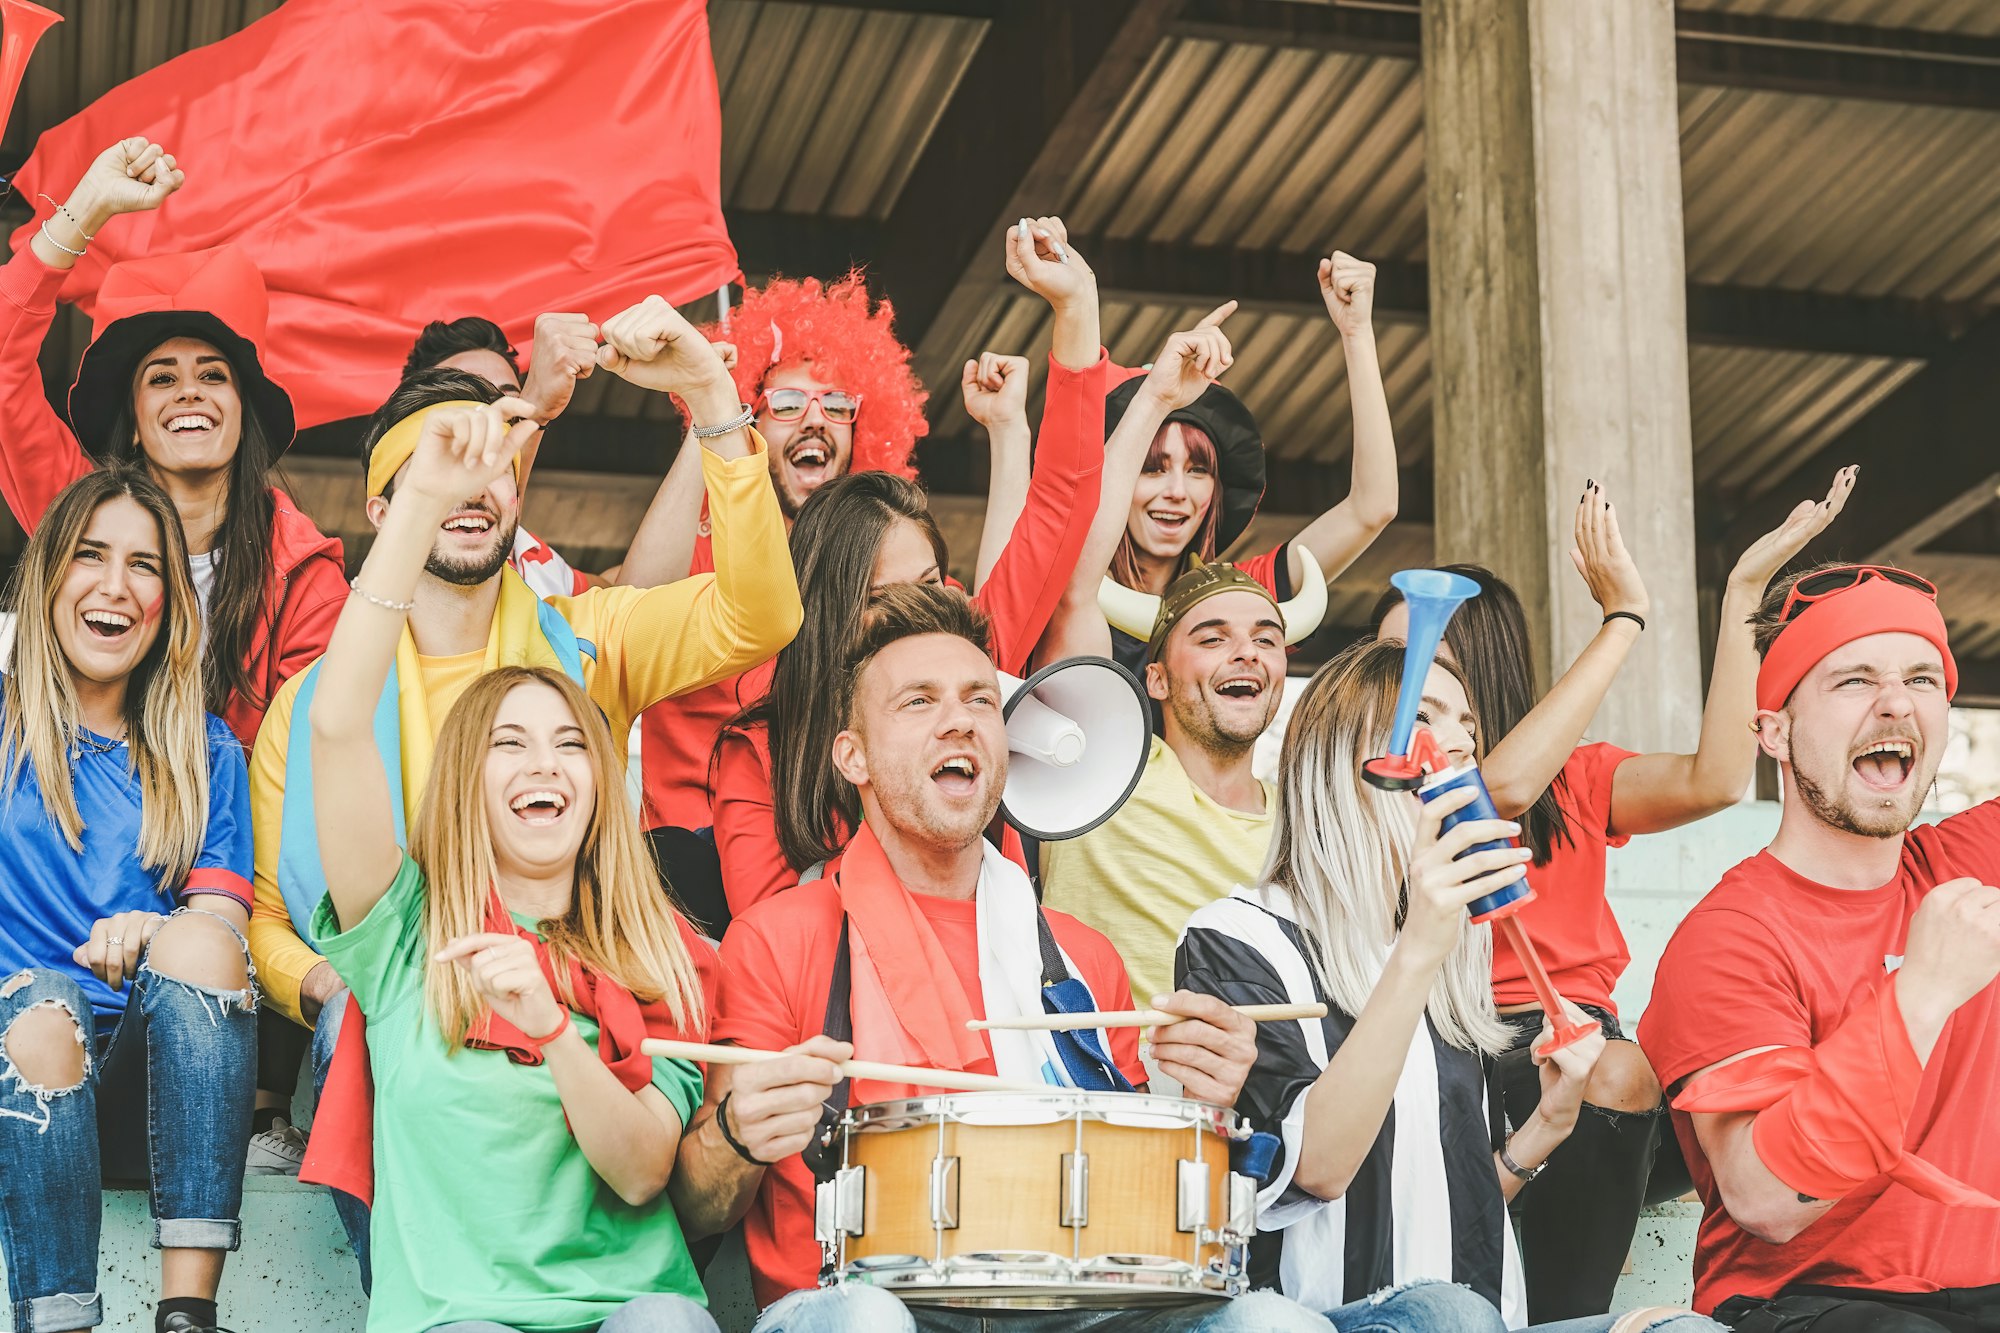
<point>81,740</point>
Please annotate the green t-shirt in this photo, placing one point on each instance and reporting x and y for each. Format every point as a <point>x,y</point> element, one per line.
<point>485,1207</point>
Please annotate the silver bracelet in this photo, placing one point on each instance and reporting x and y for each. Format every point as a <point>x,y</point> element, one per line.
<point>1523,1173</point>
<point>73,220</point>
<point>738,422</point>
<point>383,602</point>
<point>50,238</point>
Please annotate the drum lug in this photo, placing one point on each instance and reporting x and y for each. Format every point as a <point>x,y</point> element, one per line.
<point>1075,1209</point>
<point>1242,1206</point>
<point>838,1205</point>
<point>944,1193</point>
<point>1190,1196</point>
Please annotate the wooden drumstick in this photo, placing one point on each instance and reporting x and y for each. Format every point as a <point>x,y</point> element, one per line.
<point>1136,1018</point>
<point>924,1078</point>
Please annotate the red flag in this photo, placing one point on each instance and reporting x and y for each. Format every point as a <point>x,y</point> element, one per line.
<point>390,162</point>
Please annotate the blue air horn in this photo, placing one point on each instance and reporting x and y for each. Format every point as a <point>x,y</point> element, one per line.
<point>1416,762</point>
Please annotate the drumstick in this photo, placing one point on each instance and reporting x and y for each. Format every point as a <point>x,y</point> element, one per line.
<point>881,1073</point>
<point>1136,1018</point>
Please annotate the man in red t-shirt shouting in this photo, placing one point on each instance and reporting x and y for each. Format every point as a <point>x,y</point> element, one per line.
<point>935,927</point>
<point>1826,1019</point>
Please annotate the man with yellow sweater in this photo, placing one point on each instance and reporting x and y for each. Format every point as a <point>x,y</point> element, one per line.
<point>628,647</point>
<point>1199,820</point>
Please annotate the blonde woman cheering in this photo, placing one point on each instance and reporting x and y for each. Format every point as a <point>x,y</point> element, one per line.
<point>126,1010</point>
<point>1398,1165</point>
<point>508,966</point>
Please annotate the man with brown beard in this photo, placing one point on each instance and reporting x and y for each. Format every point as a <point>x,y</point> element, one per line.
<point>1826,1019</point>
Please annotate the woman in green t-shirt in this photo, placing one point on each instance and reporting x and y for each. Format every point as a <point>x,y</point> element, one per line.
<point>507,966</point>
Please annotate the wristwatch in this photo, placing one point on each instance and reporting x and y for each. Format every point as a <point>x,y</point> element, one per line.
<point>1525,1173</point>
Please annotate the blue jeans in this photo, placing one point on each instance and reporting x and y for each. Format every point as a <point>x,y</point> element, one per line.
<point>1419,1307</point>
<point>859,1309</point>
<point>169,1094</point>
<point>643,1314</point>
<point>352,1212</point>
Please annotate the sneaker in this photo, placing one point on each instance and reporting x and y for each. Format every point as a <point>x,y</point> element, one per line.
<point>277,1151</point>
<point>180,1323</point>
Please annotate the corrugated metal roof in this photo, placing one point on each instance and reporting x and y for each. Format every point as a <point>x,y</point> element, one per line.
<point>826,110</point>
<point>1978,18</point>
<point>1756,411</point>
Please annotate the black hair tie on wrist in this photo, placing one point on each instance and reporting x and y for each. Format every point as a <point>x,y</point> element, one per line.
<point>722,1123</point>
<point>1632,616</point>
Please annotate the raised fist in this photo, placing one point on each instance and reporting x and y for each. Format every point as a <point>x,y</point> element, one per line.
<point>1040,258</point>
<point>1347,285</point>
<point>131,176</point>
<point>564,352</point>
<point>996,389</point>
<point>653,347</point>
<point>1953,951</point>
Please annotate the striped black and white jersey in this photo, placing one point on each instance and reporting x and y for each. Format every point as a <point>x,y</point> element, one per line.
<point>1426,1202</point>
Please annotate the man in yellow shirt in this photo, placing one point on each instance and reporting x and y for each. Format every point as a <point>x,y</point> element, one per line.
<point>629,647</point>
<point>1199,821</point>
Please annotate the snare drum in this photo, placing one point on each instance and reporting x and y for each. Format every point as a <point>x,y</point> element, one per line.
<point>1039,1200</point>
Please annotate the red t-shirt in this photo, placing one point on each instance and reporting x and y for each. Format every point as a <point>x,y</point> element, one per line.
<point>777,968</point>
<point>1770,958</point>
<point>1570,920</point>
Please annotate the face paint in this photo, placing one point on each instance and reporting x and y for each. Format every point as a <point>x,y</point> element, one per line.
<point>153,608</point>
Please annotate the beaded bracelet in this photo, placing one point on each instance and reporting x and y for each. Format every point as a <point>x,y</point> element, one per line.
<point>49,236</point>
<point>383,602</point>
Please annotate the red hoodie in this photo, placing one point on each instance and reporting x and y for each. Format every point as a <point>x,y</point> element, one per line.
<point>39,456</point>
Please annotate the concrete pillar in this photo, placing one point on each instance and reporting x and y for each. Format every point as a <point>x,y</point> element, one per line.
<point>1558,321</point>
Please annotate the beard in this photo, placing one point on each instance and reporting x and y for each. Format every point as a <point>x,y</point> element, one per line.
<point>908,807</point>
<point>1199,722</point>
<point>1831,809</point>
<point>470,573</point>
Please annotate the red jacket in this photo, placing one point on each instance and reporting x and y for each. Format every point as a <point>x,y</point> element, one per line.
<point>39,456</point>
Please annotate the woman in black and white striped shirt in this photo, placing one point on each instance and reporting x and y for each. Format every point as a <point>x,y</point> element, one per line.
<point>1397,1165</point>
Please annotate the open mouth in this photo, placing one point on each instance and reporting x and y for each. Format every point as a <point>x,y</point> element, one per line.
<point>107,624</point>
<point>474,522</point>
<point>810,460</point>
<point>539,807</point>
<point>1885,764</point>
<point>957,776</point>
<point>189,424</point>
<point>1240,687</point>
<point>1171,523</point>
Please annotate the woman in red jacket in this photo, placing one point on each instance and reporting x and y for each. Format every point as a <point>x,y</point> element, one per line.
<point>172,377</point>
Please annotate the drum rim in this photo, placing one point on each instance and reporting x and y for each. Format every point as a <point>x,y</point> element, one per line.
<point>1193,1114</point>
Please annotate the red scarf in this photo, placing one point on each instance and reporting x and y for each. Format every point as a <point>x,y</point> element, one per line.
<point>341,1152</point>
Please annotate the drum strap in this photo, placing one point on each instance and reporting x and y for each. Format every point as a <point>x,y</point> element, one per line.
<point>820,1154</point>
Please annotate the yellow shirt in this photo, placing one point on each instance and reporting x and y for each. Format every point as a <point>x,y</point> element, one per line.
<point>1139,875</point>
<point>645,645</point>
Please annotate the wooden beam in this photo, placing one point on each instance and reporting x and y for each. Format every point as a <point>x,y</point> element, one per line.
<point>1750,51</point>
<point>1176,274</point>
<point>1932,441</point>
<point>1047,78</point>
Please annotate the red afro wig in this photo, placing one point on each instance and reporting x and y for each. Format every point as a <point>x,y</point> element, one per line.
<point>793,321</point>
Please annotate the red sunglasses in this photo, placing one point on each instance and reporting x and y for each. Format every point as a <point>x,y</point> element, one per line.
<point>1825,583</point>
<point>837,405</point>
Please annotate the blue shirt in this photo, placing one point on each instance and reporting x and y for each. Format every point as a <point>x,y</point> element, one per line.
<point>51,896</point>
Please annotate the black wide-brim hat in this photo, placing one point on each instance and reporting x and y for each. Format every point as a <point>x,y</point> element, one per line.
<point>1239,449</point>
<point>215,295</point>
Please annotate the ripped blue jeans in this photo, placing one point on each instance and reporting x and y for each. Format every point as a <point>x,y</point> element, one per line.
<point>166,1097</point>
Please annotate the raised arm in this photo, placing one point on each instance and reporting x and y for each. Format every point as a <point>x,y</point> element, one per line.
<point>564,351</point>
<point>1527,759</point>
<point>38,454</point>
<point>662,550</point>
<point>1337,537</point>
<point>996,396</point>
<point>460,453</point>
<point>1186,366</point>
<point>1652,792</point>
<point>1353,1093</point>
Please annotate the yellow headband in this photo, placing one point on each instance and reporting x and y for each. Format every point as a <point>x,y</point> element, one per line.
<point>400,441</point>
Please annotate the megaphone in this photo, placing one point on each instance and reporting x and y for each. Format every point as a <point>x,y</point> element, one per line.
<point>1079,732</point>
<point>1416,762</point>
<point>21,26</point>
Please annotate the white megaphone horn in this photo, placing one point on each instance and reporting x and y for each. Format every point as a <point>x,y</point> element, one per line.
<point>1079,732</point>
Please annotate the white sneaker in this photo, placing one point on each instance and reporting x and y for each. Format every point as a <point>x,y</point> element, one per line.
<point>277,1151</point>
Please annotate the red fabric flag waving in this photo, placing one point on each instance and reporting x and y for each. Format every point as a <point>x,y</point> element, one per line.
<point>390,162</point>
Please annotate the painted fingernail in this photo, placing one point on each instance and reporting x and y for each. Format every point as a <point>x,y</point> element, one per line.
<point>1589,484</point>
